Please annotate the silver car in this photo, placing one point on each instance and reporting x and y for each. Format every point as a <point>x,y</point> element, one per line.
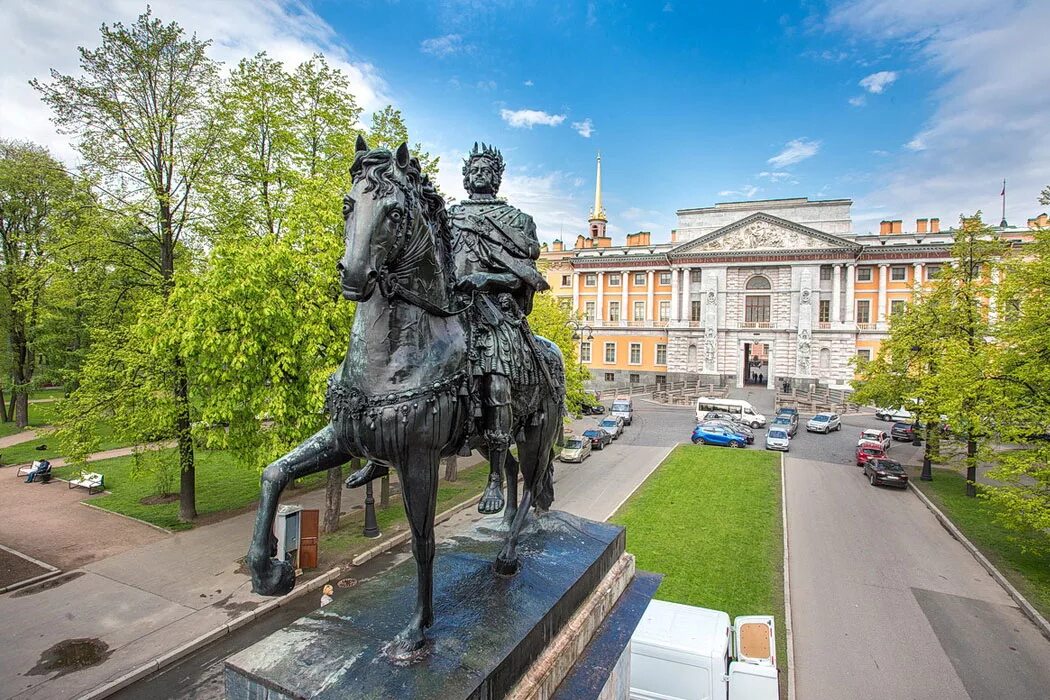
<point>576,449</point>
<point>777,438</point>
<point>824,423</point>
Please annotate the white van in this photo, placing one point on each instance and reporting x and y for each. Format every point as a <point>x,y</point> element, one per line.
<point>623,407</point>
<point>680,652</point>
<point>742,411</point>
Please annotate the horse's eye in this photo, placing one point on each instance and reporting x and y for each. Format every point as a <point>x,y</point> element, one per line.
<point>395,215</point>
<point>348,206</point>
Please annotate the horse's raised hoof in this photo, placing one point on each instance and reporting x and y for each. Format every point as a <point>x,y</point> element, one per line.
<point>492,500</point>
<point>506,567</point>
<point>272,577</point>
<point>370,472</point>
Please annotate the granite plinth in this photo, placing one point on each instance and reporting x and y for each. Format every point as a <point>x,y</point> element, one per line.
<point>487,632</point>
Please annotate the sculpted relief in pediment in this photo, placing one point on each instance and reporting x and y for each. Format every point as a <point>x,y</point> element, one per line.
<point>762,235</point>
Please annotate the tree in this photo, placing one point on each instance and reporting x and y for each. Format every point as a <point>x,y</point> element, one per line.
<point>554,322</point>
<point>389,130</point>
<point>38,204</point>
<point>138,114</point>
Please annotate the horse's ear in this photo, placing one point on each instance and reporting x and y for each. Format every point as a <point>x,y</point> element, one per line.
<point>403,156</point>
<point>361,145</point>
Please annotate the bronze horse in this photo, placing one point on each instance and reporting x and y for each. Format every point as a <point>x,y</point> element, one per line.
<point>401,395</point>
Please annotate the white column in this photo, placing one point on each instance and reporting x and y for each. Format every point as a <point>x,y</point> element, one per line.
<point>851,303</point>
<point>649,291</point>
<point>625,279</point>
<point>674,295</point>
<point>883,271</point>
<point>917,277</point>
<point>576,291</point>
<point>599,312</point>
<point>836,293</point>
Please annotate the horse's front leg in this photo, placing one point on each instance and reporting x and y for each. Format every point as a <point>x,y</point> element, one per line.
<point>419,479</point>
<point>510,466</point>
<point>271,576</point>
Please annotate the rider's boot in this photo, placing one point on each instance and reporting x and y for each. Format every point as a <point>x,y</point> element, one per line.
<point>370,472</point>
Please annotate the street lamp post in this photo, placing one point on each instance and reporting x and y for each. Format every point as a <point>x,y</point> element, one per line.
<point>371,526</point>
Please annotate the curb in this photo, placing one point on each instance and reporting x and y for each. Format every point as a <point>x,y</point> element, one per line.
<point>165,530</point>
<point>1030,612</point>
<point>49,571</point>
<point>787,587</point>
<point>626,498</point>
<point>183,650</point>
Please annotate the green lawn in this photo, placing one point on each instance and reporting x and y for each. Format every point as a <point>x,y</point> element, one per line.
<point>223,484</point>
<point>709,520</point>
<point>1028,572</point>
<point>348,541</point>
<point>39,414</point>
<point>27,451</point>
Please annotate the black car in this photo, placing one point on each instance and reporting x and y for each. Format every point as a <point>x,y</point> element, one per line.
<point>592,409</point>
<point>902,431</point>
<point>599,438</point>
<point>885,471</point>
<point>720,415</point>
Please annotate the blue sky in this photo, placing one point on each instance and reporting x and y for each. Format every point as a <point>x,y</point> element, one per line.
<point>911,108</point>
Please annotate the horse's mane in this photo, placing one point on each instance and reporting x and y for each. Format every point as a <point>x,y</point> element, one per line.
<point>376,166</point>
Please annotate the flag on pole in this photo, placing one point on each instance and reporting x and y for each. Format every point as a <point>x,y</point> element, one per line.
<point>1003,193</point>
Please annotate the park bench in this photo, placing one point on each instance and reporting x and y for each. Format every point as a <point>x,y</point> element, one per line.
<point>43,476</point>
<point>89,481</point>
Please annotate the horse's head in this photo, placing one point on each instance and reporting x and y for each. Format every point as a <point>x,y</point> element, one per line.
<point>378,214</point>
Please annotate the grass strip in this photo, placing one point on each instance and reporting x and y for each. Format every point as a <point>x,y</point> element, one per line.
<point>709,520</point>
<point>1024,558</point>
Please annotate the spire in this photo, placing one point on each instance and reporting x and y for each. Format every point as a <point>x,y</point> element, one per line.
<point>598,213</point>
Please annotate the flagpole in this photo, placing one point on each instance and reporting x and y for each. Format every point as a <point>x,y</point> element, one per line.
<point>1002,224</point>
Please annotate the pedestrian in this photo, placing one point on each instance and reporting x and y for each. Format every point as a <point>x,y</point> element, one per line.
<point>761,377</point>
<point>326,595</point>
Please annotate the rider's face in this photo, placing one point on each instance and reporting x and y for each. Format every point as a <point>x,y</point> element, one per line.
<point>481,176</point>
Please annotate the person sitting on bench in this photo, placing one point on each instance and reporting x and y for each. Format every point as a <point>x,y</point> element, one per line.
<point>41,468</point>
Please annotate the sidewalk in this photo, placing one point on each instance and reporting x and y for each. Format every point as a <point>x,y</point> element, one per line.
<point>18,438</point>
<point>141,603</point>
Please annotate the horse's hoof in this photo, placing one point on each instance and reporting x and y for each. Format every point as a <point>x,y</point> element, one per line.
<point>506,567</point>
<point>409,645</point>
<point>369,472</point>
<point>273,577</point>
<point>492,500</point>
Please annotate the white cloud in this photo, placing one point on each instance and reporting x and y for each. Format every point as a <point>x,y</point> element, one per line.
<point>38,36</point>
<point>486,85</point>
<point>858,101</point>
<point>795,151</point>
<point>989,113</point>
<point>746,192</point>
<point>528,118</point>
<point>584,128</point>
<point>876,83</point>
<point>668,7</point>
<point>446,45</point>
<point>774,176</point>
<point>528,83</point>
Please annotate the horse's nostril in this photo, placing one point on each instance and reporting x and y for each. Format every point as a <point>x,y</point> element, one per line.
<point>339,267</point>
<point>372,275</point>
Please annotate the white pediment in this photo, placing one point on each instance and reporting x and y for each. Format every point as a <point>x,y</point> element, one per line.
<point>760,234</point>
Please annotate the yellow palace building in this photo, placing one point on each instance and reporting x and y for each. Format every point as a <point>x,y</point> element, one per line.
<point>768,291</point>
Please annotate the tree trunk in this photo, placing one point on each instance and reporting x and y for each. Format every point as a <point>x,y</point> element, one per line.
<point>971,468</point>
<point>384,492</point>
<point>4,416</point>
<point>451,468</point>
<point>21,399</point>
<point>333,499</point>
<point>187,469</point>
<point>11,406</point>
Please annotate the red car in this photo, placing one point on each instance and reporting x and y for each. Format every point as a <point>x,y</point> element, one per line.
<point>868,451</point>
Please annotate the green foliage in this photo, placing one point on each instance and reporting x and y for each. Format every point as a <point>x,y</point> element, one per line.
<point>554,322</point>
<point>389,130</point>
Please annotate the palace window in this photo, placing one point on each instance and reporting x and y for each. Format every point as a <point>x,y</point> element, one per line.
<point>585,351</point>
<point>898,273</point>
<point>635,378</point>
<point>610,377</point>
<point>665,278</point>
<point>588,310</point>
<point>825,272</point>
<point>639,279</point>
<point>566,280</point>
<point>694,275</point>
<point>639,311</point>
<point>863,311</point>
<point>610,353</point>
<point>896,306</point>
<point>614,279</point>
<point>661,353</point>
<point>864,354</point>
<point>932,271</point>
<point>864,273</point>
<point>695,310</point>
<point>590,280</point>
<point>756,309</point>
<point>614,311</point>
<point>825,358</point>
<point>661,380</point>
<point>635,356</point>
<point>758,282</point>
<point>665,311</point>
<point>824,311</point>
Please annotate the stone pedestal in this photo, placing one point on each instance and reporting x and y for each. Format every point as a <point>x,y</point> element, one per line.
<point>493,637</point>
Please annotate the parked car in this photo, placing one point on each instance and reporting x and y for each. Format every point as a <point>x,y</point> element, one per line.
<point>791,414</point>
<point>787,422</point>
<point>599,438</point>
<point>735,427</point>
<point>787,411</point>
<point>717,435</point>
<point>576,449</point>
<point>888,472</point>
<point>722,416</point>
<point>878,437</point>
<point>612,425</point>
<point>903,431</point>
<point>623,408</point>
<point>866,451</point>
<point>591,409</point>
<point>824,423</point>
<point>899,413</point>
<point>777,439</point>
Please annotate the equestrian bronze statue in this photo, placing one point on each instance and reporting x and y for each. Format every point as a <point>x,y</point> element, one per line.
<point>440,359</point>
